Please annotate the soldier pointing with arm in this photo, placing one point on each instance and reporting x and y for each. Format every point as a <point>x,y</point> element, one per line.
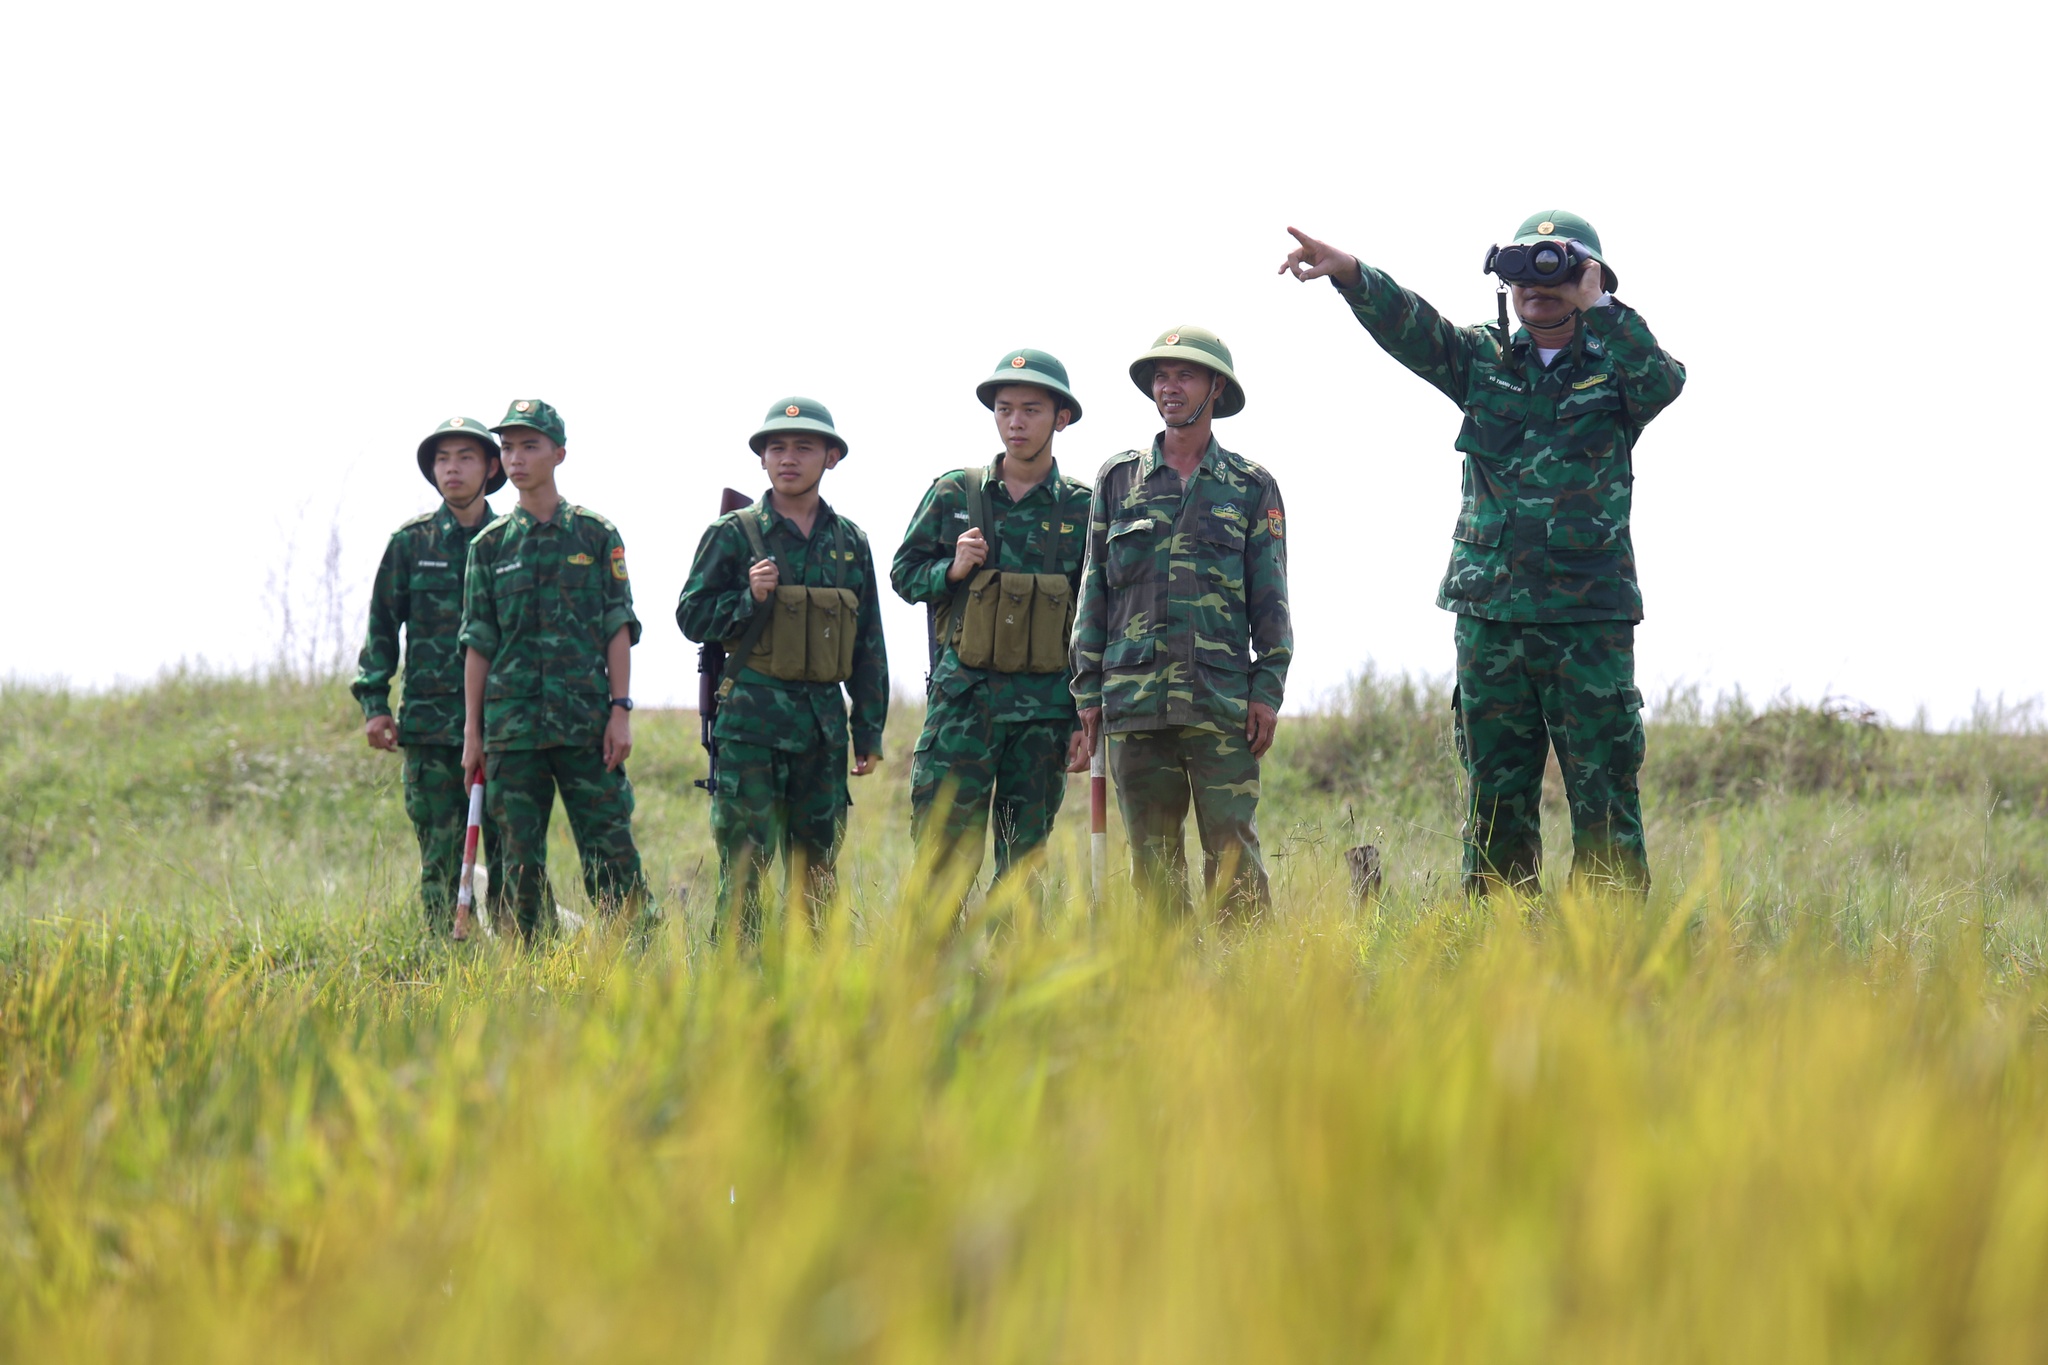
<point>1186,578</point>
<point>1542,574</point>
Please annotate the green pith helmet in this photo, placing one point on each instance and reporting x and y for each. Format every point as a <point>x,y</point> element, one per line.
<point>798,414</point>
<point>1206,349</point>
<point>541,417</point>
<point>1026,366</point>
<point>1564,225</point>
<point>462,426</point>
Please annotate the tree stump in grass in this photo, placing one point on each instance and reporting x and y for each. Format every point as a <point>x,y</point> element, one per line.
<point>1364,862</point>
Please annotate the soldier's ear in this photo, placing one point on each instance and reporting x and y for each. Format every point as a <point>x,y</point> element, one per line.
<point>833,454</point>
<point>1061,418</point>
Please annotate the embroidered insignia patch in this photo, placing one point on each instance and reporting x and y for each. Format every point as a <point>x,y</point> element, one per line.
<point>1274,523</point>
<point>619,562</point>
<point>1228,511</point>
<point>581,559</point>
<point>1589,383</point>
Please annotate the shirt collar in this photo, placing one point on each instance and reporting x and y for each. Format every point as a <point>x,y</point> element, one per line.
<point>446,524</point>
<point>526,520</point>
<point>1155,459</point>
<point>770,518</point>
<point>994,478</point>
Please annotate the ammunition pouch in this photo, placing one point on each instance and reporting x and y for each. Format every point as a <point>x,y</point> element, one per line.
<point>800,634</point>
<point>1009,622</point>
<point>809,636</point>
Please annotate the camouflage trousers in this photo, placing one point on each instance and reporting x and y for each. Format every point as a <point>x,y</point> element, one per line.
<point>967,764</point>
<point>771,804</point>
<point>1522,689</point>
<point>437,799</point>
<point>519,793</point>
<point>1158,773</point>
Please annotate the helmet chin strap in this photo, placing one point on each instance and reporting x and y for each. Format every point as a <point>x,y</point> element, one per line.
<point>1214,381</point>
<point>464,506</point>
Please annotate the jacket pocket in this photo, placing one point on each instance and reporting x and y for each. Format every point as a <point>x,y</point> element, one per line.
<point>1227,681</point>
<point>1130,676</point>
<point>1479,528</point>
<point>1130,551</point>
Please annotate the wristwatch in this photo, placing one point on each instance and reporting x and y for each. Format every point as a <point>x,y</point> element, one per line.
<point>625,702</point>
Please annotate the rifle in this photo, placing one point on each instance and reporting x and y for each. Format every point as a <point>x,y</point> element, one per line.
<point>710,667</point>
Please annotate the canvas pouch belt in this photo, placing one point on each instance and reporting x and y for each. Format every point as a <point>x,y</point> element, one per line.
<point>800,634</point>
<point>1005,621</point>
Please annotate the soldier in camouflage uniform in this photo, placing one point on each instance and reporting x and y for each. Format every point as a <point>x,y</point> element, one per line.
<point>1003,733</point>
<point>548,623</point>
<point>780,583</point>
<point>1186,578</point>
<point>419,589</point>
<point>1543,572</point>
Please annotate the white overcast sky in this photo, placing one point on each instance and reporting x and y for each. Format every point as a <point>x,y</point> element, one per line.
<point>253,253</point>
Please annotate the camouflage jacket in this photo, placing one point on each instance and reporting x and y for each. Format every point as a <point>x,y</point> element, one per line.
<point>419,587</point>
<point>1017,543</point>
<point>1184,580</point>
<point>1543,532</point>
<point>541,600</point>
<point>717,604</point>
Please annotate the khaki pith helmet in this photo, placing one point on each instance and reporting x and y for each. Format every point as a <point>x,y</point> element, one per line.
<point>1562,225</point>
<point>798,414</point>
<point>462,426</point>
<point>1041,369</point>
<point>539,416</point>
<point>1204,348</point>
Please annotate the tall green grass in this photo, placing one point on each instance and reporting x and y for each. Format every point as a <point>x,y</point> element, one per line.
<point>1792,1109</point>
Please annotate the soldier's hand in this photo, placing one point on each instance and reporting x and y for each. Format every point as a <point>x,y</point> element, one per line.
<point>1588,292</point>
<point>863,764</point>
<point>1259,728</point>
<point>1082,748</point>
<point>472,754</point>
<point>1313,259</point>
<point>618,738</point>
<point>969,552</point>
<point>381,732</point>
<point>763,578</point>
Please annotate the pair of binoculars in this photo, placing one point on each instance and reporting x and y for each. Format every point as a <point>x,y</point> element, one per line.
<point>1537,263</point>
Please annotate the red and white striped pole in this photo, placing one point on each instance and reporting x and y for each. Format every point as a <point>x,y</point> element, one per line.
<point>1098,823</point>
<point>465,894</point>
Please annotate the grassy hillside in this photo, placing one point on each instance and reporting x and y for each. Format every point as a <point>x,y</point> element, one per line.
<point>1791,1110</point>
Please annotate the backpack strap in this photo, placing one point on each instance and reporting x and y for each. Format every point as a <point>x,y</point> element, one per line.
<point>736,658</point>
<point>977,516</point>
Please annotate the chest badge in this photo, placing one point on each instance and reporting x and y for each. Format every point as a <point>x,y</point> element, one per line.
<point>581,559</point>
<point>1589,383</point>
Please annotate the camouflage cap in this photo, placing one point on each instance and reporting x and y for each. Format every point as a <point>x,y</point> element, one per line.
<point>462,426</point>
<point>1204,348</point>
<point>1026,366</point>
<point>1564,225</point>
<point>797,414</point>
<point>541,417</point>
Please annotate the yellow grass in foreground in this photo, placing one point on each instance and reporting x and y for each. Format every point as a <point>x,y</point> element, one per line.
<point>1607,1135</point>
